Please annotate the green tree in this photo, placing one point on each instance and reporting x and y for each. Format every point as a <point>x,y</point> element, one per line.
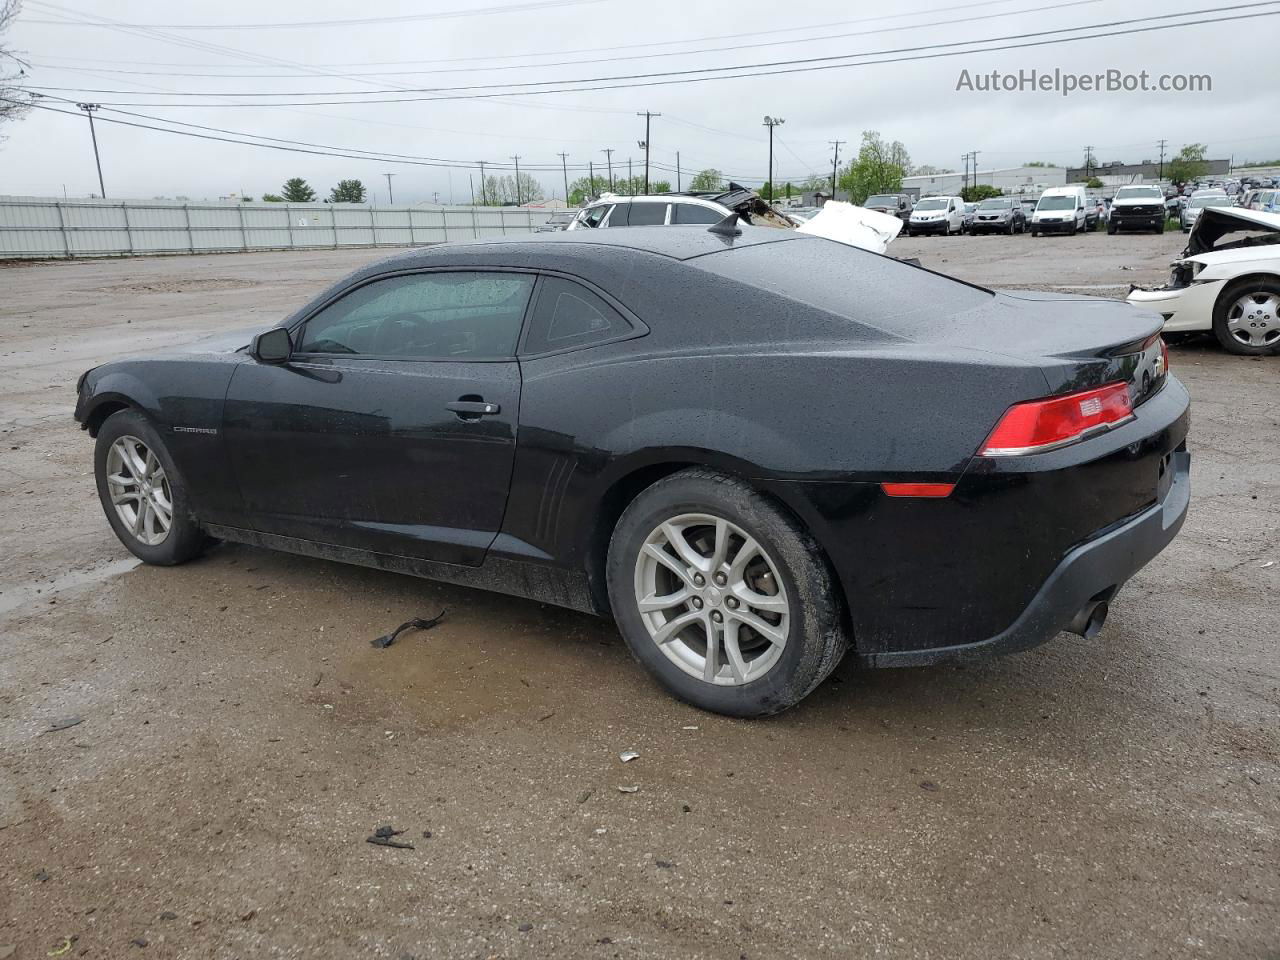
<point>297,190</point>
<point>979,192</point>
<point>347,191</point>
<point>815,182</point>
<point>272,198</point>
<point>1188,164</point>
<point>500,191</point>
<point>878,168</point>
<point>582,190</point>
<point>707,180</point>
<point>1093,183</point>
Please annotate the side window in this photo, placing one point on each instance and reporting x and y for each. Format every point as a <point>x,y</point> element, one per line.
<point>647,214</point>
<point>424,316</point>
<point>693,213</point>
<point>594,216</point>
<point>567,314</point>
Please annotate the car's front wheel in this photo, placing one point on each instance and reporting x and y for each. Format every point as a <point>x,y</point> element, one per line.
<point>1246,318</point>
<point>142,493</point>
<point>722,596</point>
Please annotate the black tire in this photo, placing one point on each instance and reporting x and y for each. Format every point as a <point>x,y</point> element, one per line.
<point>1111,229</point>
<point>185,539</point>
<point>1035,233</point>
<point>1009,229</point>
<point>815,641</point>
<point>1160,227</point>
<point>1229,295</point>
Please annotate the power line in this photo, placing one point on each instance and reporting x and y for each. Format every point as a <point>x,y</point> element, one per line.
<point>805,65</point>
<point>615,59</point>
<point>362,21</point>
<point>628,46</point>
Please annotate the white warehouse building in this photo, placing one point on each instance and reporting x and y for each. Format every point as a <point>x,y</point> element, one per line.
<point>1015,181</point>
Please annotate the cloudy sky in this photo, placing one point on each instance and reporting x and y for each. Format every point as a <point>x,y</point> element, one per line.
<point>488,79</point>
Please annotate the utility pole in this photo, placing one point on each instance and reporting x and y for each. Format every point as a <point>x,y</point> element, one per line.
<point>482,194</point>
<point>965,181</point>
<point>608,152</point>
<point>471,180</point>
<point>631,179</point>
<point>835,164</point>
<point>565,170</point>
<point>591,180</point>
<point>974,154</point>
<point>1162,146</point>
<point>435,197</point>
<point>88,108</point>
<point>645,143</point>
<point>516,158</point>
<point>678,188</point>
<point>391,200</point>
<point>772,122</point>
<point>1088,161</point>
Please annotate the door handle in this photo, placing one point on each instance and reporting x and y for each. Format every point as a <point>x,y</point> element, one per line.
<point>474,408</point>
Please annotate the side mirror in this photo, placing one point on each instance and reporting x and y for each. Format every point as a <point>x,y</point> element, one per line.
<point>274,346</point>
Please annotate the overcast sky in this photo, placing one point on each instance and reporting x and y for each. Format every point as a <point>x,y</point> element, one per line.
<point>454,43</point>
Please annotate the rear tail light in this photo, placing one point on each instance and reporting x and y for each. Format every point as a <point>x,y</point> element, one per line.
<point>1040,425</point>
<point>929,490</point>
<point>1164,356</point>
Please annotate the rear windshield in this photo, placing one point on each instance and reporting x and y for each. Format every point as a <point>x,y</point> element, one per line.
<point>937,203</point>
<point>882,200</point>
<point>867,288</point>
<point>1195,203</point>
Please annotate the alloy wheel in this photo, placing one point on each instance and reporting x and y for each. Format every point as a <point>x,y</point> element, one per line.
<point>1254,319</point>
<point>712,599</point>
<point>139,490</point>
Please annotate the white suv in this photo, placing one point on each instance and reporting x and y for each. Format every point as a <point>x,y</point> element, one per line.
<point>670,209</point>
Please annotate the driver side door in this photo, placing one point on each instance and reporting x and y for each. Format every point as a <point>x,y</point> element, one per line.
<point>392,427</point>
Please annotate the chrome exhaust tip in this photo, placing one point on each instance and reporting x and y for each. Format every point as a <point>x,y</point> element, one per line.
<point>1089,620</point>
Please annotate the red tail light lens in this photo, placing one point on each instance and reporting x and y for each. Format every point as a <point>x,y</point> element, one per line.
<point>1040,425</point>
<point>929,490</point>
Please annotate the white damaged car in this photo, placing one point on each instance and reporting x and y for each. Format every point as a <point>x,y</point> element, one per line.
<point>1227,280</point>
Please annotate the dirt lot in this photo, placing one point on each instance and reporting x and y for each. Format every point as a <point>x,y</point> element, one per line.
<point>241,738</point>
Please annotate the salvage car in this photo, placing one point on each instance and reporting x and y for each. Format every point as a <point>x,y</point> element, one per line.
<point>756,450</point>
<point>898,204</point>
<point>1207,198</point>
<point>669,209</point>
<point>1137,207</point>
<point>1232,288</point>
<point>999,214</point>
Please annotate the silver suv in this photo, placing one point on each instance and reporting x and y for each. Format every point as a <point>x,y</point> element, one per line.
<point>999,214</point>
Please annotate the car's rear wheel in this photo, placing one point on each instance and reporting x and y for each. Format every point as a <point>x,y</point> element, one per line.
<point>1246,318</point>
<point>722,596</point>
<point>142,493</point>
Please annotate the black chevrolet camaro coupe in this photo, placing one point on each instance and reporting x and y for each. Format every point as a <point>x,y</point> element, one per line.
<point>756,450</point>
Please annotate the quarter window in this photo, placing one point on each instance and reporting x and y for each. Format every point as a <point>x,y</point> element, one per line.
<point>595,216</point>
<point>568,315</point>
<point>424,316</point>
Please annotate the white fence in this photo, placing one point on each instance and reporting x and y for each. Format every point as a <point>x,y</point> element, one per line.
<point>40,228</point>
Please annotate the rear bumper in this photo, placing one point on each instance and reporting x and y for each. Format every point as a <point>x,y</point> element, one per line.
<point>1094,570</point>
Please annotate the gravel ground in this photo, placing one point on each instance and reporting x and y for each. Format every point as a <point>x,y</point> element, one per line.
<point>240,738</point>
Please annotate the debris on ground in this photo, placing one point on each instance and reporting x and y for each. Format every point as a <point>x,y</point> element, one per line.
<point>385,837</point>
<point>929,785</point>
<point>64,949</point>
<point>246,917</point>
<point>546,716</point>
<point>626,756</point>
<point>685,808</point>
<point>139,941</point>
<point>64,723</point>
<point>584,796</point>
<point>42,876</point>
<point>168,915</point>
<point>628,789</point>
<point>663,864</point>
<point>417,623</point>
<point>525,927</point>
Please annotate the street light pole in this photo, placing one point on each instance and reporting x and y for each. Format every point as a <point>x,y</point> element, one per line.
<point>88,108</point>
<point>772,122</point>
